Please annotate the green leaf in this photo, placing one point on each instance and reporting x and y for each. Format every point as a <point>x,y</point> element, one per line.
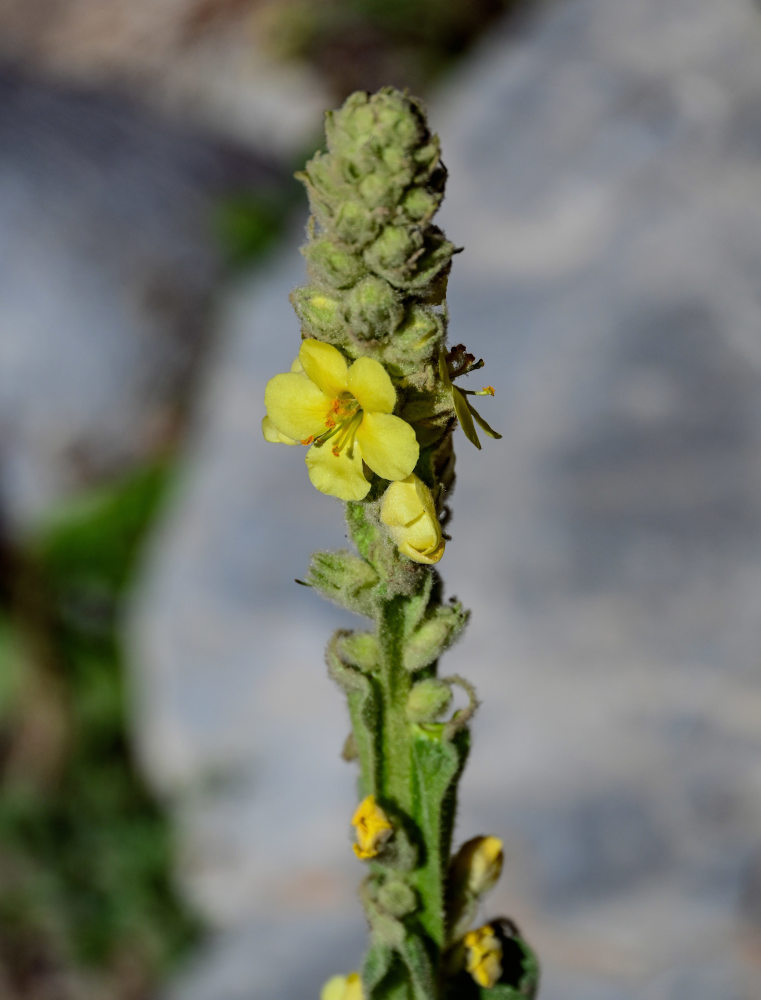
<point>376,966</point>
<point>419,966</point>
<point>364,709</point>
<point>438,763</point>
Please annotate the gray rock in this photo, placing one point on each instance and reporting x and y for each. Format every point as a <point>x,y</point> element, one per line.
<point>609,199</point>
<point>109,261</point>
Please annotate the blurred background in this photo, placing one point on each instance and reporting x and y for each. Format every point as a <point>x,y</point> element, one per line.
<point>173,809</point>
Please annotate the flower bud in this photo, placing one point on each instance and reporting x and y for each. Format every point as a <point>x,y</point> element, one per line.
<point>478,864</point>
<point>354,225</point>
<point>393,250</point>
<point>420,204</point>
<point>409,513</point>
<point>320,313</point>
<point>332,265</point>
<point>374,309</point>
<point>428,700</point>
<point>397,898</point>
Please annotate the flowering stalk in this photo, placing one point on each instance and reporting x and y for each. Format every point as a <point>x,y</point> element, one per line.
<point>372,396</point>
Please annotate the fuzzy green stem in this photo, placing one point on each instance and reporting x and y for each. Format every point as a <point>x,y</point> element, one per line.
<point>396,683</point>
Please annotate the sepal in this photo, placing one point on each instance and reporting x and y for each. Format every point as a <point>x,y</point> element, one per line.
<point>344,579</point>
<point>374,309</point>
<point>434,635</point>
<point>428,700</point>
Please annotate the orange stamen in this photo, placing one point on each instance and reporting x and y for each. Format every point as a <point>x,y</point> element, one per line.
<point>308,440</point>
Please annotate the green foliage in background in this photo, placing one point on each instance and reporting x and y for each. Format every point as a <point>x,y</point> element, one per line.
<point>362,44</point>
<point>85,854</point>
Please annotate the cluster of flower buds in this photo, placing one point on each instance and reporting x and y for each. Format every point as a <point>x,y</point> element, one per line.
<point>370,393</point>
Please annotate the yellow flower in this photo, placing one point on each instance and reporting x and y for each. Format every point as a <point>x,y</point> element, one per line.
<point>372,826</point>
<point>408,511</point>
<point>345,413</point>
<point>343,988</point>
<point>484,956</point>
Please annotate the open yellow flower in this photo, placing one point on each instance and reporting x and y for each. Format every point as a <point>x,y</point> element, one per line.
<point>409,513</point>
<point>345,413</point>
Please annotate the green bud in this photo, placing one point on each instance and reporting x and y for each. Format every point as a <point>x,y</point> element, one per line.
<point>397,898</point>
<point>318,174</point>
<point>320,313</point>
<point>344,578</point>
<point>433,262</point>
<point>374,309</point>
<point>395,158</point>
<point>355,120</point>
<point>421,329</point>
<point>428,700</point>
<point>419,204</point>
<point>330,264</point>
<point>380,189</point>
<point>354,225</point>
<point>414,342</point>
<point>392,252</point>
<point>434,635</point>
<point>427,159</point>
<point>361,649</point>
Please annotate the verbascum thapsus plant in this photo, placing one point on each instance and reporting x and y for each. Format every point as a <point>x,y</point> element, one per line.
<point>372,396</point>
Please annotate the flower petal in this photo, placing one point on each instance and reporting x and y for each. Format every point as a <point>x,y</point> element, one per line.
<point>273,435</point>
<point>406,500</point>
<point>422,534</point>
<point>428,555</point>
<point>370,384</point>
<point>296,406</point>
<point>337,475</point>
<point>388,444</point>
<point>409,511</point>
<point>325,366</point>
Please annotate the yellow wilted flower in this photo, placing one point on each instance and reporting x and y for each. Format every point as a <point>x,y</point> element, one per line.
<point>345,413</point>
<point>484,955</point>
<point>372,826</point>
<point>409,513</point>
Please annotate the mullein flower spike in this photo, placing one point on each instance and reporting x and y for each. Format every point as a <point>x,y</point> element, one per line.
<point>371,396</point>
